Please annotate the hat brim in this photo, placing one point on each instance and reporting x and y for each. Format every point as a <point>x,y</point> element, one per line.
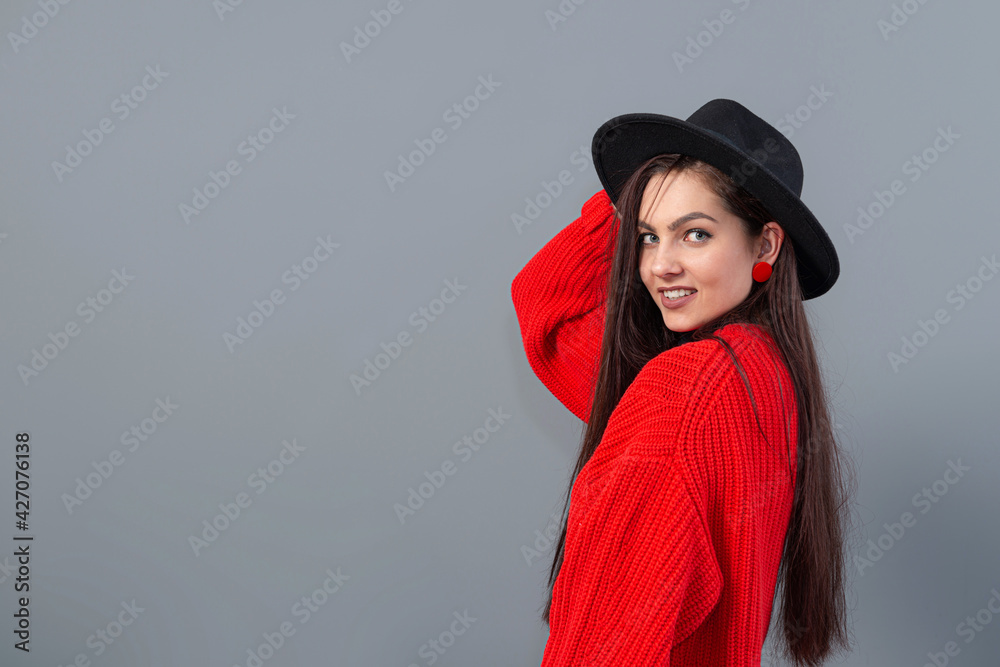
<point>623,143</point>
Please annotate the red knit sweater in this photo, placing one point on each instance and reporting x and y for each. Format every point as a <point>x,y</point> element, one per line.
<point>677,522</point>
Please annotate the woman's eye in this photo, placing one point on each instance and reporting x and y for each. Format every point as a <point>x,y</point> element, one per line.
<point>652,237</point>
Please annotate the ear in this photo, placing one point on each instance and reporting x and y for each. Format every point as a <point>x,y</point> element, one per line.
<point>772,236</point>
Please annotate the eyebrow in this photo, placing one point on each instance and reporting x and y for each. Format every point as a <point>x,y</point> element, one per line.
<point>694,215</point>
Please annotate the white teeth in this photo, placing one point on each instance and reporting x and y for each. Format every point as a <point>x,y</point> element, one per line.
<point>676,294</point>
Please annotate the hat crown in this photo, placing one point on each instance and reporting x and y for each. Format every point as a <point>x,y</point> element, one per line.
<point>746,131</point>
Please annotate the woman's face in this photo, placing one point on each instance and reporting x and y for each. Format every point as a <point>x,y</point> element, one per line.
<point>688,240</point>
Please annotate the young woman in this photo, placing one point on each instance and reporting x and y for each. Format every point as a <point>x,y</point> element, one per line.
<point>669,318</point>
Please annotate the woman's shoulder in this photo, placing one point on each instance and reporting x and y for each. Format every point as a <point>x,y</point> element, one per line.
<point>697,388</point>
<point>689,369</point>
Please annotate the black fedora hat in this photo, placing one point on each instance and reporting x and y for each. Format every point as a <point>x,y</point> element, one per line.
<point>731,138</point>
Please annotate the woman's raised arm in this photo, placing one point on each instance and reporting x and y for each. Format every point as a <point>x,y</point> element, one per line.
<point>559,297</point>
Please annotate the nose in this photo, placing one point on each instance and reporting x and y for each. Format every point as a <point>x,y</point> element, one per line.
<point>664,263</point>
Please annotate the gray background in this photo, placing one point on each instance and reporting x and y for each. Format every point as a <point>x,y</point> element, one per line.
<point>333,506</point>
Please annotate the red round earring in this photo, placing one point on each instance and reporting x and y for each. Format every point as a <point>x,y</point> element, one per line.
<point>761,271</point>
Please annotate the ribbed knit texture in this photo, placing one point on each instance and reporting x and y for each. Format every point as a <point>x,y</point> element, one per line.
<point>677,522</point>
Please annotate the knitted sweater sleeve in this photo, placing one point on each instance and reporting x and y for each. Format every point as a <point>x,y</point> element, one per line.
<point>647,574</point>
<point>559,299</point>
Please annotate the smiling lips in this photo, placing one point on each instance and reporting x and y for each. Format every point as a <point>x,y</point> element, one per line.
<point>677,297</point>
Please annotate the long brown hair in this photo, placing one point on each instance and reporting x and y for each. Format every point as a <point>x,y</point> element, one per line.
<point>811,575</point>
